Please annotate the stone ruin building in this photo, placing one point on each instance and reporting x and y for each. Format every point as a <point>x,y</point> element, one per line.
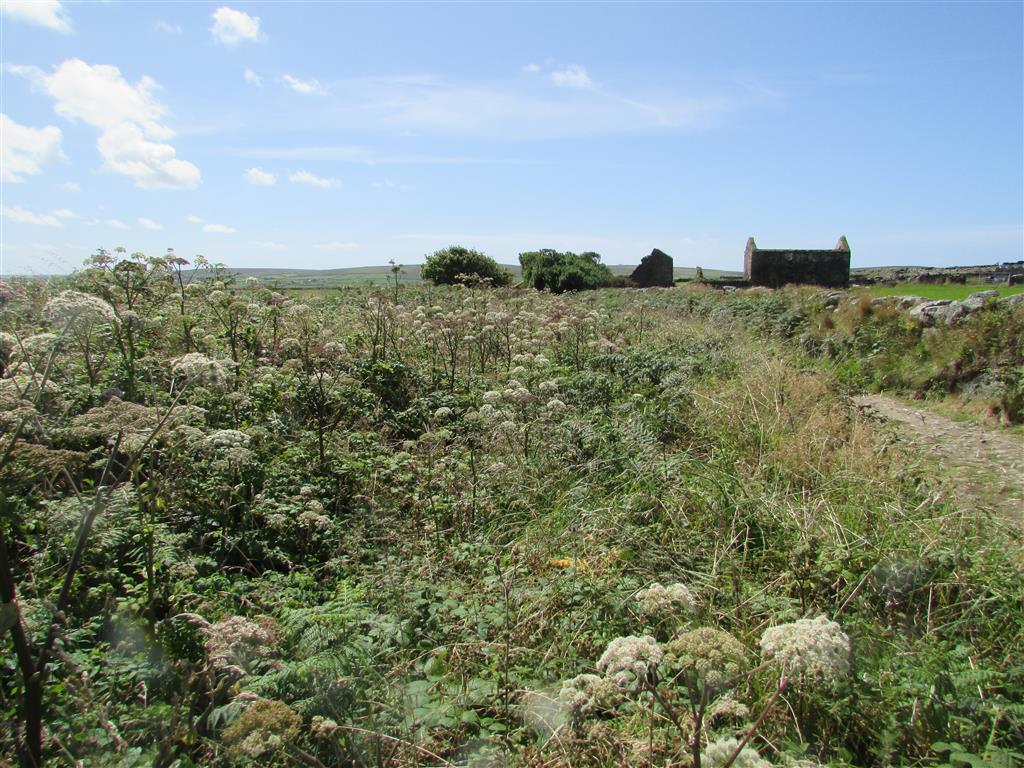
<point>775,268</point>
<point>654,270</point>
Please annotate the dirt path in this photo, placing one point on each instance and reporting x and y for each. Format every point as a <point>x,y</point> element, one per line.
<point>986,466</point>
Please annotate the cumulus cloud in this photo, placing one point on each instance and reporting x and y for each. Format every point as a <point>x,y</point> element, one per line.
<point>260,178</point>
<point>24,150</point>
<point>305,177</point>
<point>129,118</point>
<point>220,229</point>
<point>43,13</point>
<point>149,223</point>
<point>270,245</point>
<point>302,86</point>
<point>335,245</point>
<point>71,186</point>
<point>193,219</point>
<point>573,76</point>
<point>231,27</point>
<point>25,216</point>
<point>532,68</point>
<point>252,78</point>
<point>116,224</point>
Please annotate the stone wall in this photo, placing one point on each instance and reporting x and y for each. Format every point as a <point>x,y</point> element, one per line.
<point>775,268</point>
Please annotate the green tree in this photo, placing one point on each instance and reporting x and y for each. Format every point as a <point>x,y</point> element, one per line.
<point>456,264</point>
<point>552,270</point>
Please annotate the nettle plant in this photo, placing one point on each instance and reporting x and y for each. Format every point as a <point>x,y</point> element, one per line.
<point>692,679</point>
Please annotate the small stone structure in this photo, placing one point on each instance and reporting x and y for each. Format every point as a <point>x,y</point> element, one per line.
<point>654,270</point>
<point>775,268</point>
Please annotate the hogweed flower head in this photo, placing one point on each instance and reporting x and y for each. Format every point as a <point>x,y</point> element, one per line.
<point>706,657</point>
<point>718,753</point>
<point>659,599</point>
<point>815,647</point>
<point>79,308</point>
<point>590,694</point>
<point>200,369</point>
<point>628,660</point>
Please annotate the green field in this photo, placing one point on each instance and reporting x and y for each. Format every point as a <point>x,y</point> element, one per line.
<point>951,291</point>
<point>410,274</point>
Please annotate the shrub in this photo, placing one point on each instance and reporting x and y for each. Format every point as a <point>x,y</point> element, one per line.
<point>551,270</point>
<point>454,265</point>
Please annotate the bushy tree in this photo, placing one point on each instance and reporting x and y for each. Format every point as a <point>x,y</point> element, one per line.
<point>456,264</point>
<point>551,270</point>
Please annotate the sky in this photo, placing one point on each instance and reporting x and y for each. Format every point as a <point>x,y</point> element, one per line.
<point>325,135</point>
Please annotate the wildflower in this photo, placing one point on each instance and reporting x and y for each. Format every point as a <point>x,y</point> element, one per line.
<point>491,397</point>
<point>718,753</point>
<point>579,564</point>
<point>705,657</point>
<point>230,446</point>
<point>236,642</point>
<point>443,413</point>
<point>200,369</point>
<point>264,728</point>
<point>627,660</point>
<point>658,599</point>
<point>77,307</point>
<point>323,727</point>
<point>816,647</point>
<point>8,343</point>
<point>548,387</point>
<point>590,694</point>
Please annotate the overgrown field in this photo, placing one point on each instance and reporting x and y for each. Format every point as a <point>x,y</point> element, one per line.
<point>420,526</point>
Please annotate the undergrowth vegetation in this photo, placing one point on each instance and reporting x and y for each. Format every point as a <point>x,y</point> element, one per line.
<point>454,526</point>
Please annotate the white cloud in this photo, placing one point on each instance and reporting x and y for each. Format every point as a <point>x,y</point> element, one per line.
<point>305,177</point>
<point>149,223</point>
<point>66,213</point>
<point>532,68</point>
<point>260,178</point>
<point>24,216</point>
<point>426,105</point>
<point>270,245</point>
<point>151,164</point>
<point>127,116</point>
<point>116,224</point>
<point>334,245</point>
<point>193,219</point>
<point>71,186</point>
<point>44,13</point>
<point>170,29</point>
<point>573,76</point>
<point>220,229</point>
<point>24,150</point>
<point>231,27</point>
<point>252,78</point>
<point>302,86</point>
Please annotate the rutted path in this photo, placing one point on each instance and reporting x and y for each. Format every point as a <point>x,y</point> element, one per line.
<point>986,466</point>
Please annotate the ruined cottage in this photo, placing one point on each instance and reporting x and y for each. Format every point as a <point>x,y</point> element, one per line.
<point>654,270</point>
<point>775,268</point>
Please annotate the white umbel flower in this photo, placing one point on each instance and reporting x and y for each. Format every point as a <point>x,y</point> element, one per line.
<point>659,599</point>
<point>627,660</point>
<point>816,647</point>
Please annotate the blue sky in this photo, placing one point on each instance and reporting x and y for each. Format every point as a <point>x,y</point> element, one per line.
<point>326,135</point>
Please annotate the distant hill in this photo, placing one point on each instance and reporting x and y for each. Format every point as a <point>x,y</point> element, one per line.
<point>334,278</point>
